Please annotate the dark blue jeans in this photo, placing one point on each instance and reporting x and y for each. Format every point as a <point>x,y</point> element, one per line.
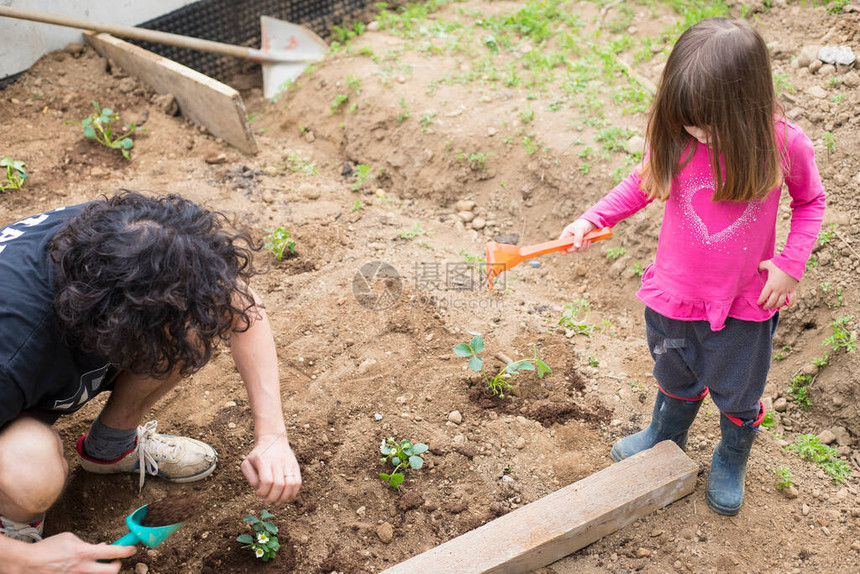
<point>732,363</point>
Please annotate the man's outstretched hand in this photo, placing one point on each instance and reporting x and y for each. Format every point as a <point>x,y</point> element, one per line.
<point>273,470</point>
<point>62,553</point>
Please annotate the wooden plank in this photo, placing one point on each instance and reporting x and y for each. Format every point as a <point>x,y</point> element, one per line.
<point>207,102</point>
<point>565,521</point>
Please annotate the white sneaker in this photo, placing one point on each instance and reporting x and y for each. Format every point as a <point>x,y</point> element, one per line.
<point>23,531</point>
<point>173,458</point>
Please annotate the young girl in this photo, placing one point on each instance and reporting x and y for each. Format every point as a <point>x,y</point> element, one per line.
<point>717,155</point>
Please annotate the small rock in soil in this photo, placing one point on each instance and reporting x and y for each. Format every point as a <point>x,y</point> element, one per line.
<point>385,532</point>
<point>455,507</point>
<point>410,500</point>
<point>465,205</point>
<point>127,85</point>
<point>215,158</point>
<point>855,546</point>
<point>478,223</point>
<point>361,512</point>
<point>521,443</point>
<point>643,553</point>
<point>74,48</point>
<point>141,568</point>
<point>827,437</point>
<point>508,238</point>
<point>467,450</point>
<point>455,417</point>
<point>836,55</point>
<point>790,492</point>
<point>780,404</point>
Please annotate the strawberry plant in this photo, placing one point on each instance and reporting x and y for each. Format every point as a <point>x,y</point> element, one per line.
<point>500,382</point>
<point>404,454</point>
<point>263,543</point>
<point>101,126</point>
<point>278,241</point>
<point>15,174</point>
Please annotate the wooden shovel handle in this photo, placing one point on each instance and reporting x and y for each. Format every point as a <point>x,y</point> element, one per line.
<point>129,32</point>
<point>560,244</point>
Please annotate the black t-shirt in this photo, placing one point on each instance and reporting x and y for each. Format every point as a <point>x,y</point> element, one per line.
<point>39,370</point>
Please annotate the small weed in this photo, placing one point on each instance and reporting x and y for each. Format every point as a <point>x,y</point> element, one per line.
<point>614,138</point>
<point>363,172</point>
<point>838,98</point>
<point>614,253</point>
<point>264,543</point>
<point>781,84</point>
<point>841,338</point>
<point>637,269</point>
<point>416,231</point>
<point>821,361</point>
<point>531,147</point>
<point>829,141</point>
<point>476,261</point>
<point>812,262</point>
<point>404,113</point>
<point>357,206</point>
<point>297,164</point>
<point>100,127</point>
<point>809,447</point>
<point>477,161</point>
<point>592,361</point>
<point>337,103</point>
<point>527,117</point>
<point>426,120</point>
<point>573,317</point>
<point>500,382</point>
<point>403,454</point>
<point>768,420</point>
<point>15,174</point>
<point>278,242</point>
<point>783,477</point>
<point>799,390</point>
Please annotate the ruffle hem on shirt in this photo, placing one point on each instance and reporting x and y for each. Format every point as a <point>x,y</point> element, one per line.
<point>745,308</point>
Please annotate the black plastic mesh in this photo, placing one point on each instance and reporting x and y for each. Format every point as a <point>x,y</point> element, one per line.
<point>238,22</point>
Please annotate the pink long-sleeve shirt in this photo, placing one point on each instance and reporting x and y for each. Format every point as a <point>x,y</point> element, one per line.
<point>706,267</point>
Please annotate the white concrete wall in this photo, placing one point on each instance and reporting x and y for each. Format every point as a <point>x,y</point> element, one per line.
<point>23,42</point>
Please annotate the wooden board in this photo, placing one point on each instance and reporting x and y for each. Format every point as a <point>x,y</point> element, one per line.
<point>565,521</point>
<point>204,101</point>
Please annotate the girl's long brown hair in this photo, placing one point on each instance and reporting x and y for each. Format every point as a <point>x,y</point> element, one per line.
<point>718,78</point>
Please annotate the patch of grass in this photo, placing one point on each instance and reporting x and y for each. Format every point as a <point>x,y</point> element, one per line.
<point>809,447</point>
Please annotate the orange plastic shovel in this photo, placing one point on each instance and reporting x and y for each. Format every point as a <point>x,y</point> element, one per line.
<point>501,256</point>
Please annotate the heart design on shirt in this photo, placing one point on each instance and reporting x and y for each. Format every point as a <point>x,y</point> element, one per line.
<point>716,221</point>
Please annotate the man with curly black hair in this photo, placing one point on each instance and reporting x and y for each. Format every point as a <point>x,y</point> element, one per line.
<point>128,294</point>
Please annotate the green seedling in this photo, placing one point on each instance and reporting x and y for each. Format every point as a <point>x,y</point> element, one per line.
<point>825,236</point>
<point>809,447</point>
<point>768,421</point>
<point>404,113</point>
<point>100,127</point>
<point>821,361</point>
<point>356,207</point>
<point>592,361</point>
<point>426,120</point>
<point>783,477</point>
<point>404,454</point>
<point>800,392</point>
<point>573,317</point>
<point>361,175</point>
<point>15,174</point>
<point>297,164</point>
<point>500,382</point>
<point>841,338</point>
<point>637,269</point>
<point>278,242</point>
<point>614,253</point>
<point>263,542</point>
<point>416,230</point>
<point>829,141</point>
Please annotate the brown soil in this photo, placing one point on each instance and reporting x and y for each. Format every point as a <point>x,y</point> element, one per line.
<point>437,126</point>
<point>171,509</point>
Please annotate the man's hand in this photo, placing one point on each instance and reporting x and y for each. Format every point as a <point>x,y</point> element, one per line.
<point>780,289</point>
<point>63,553</point>
<point>273,470</point>
<point>577,230</point>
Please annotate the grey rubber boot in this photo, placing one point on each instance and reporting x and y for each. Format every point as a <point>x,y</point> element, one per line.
<point>729,465</point>
<point>671,420</point>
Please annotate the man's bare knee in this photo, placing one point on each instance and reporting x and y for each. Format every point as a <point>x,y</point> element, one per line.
<point>32,466</point>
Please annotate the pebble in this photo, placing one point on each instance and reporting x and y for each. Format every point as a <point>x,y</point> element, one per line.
<point>827,70</point>
<point>643,553</point>
<point>805,510</point>
<point>817,92</point>
<point>466,205</point>
<point>309,191</point>
<point>807,55</point>
<point>478,223</point>
<point>521,443</point>
<point>466,216</point>
<point>827,436</point>
<point>836,55</point>
<point>385,532</point>
<point>141,568</point>
<point>455,417</point>
<point>361,511</point>
<point>127,85</point>
<point>635,144</point>
<point>229,404</point>
<point>74,48</point>
<point>780,404</point>
<point>851,79</point>
<point>813,67</point>
<point>791,492</point>
<point>310,137</point>
<point>855,546</point>
<point>377,416</point>
<point>215,158</point>
<point>656,533</point>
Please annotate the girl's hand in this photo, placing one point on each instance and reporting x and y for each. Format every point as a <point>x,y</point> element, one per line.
<point>577,230</point>
<point>780,289</point>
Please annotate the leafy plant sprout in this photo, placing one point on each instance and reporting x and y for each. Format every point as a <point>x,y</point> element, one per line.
<point>100,127</point>
<point>278,242</point>
<point>500,382</point>
<point>363,172</point>
<point>637,269</point>
<point>356,207</point>
<point>809,447</point>
<point>783,477</point>
<point>404,454</point>
<point>614,253</point>
<point>426,120</point>
<point>800,392</point>
<point>416,230</point>
<point>15,174</point>
<point>841,338</point>
<point>263,543</point>
<point>573,317</point>
<point>768,421</point>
